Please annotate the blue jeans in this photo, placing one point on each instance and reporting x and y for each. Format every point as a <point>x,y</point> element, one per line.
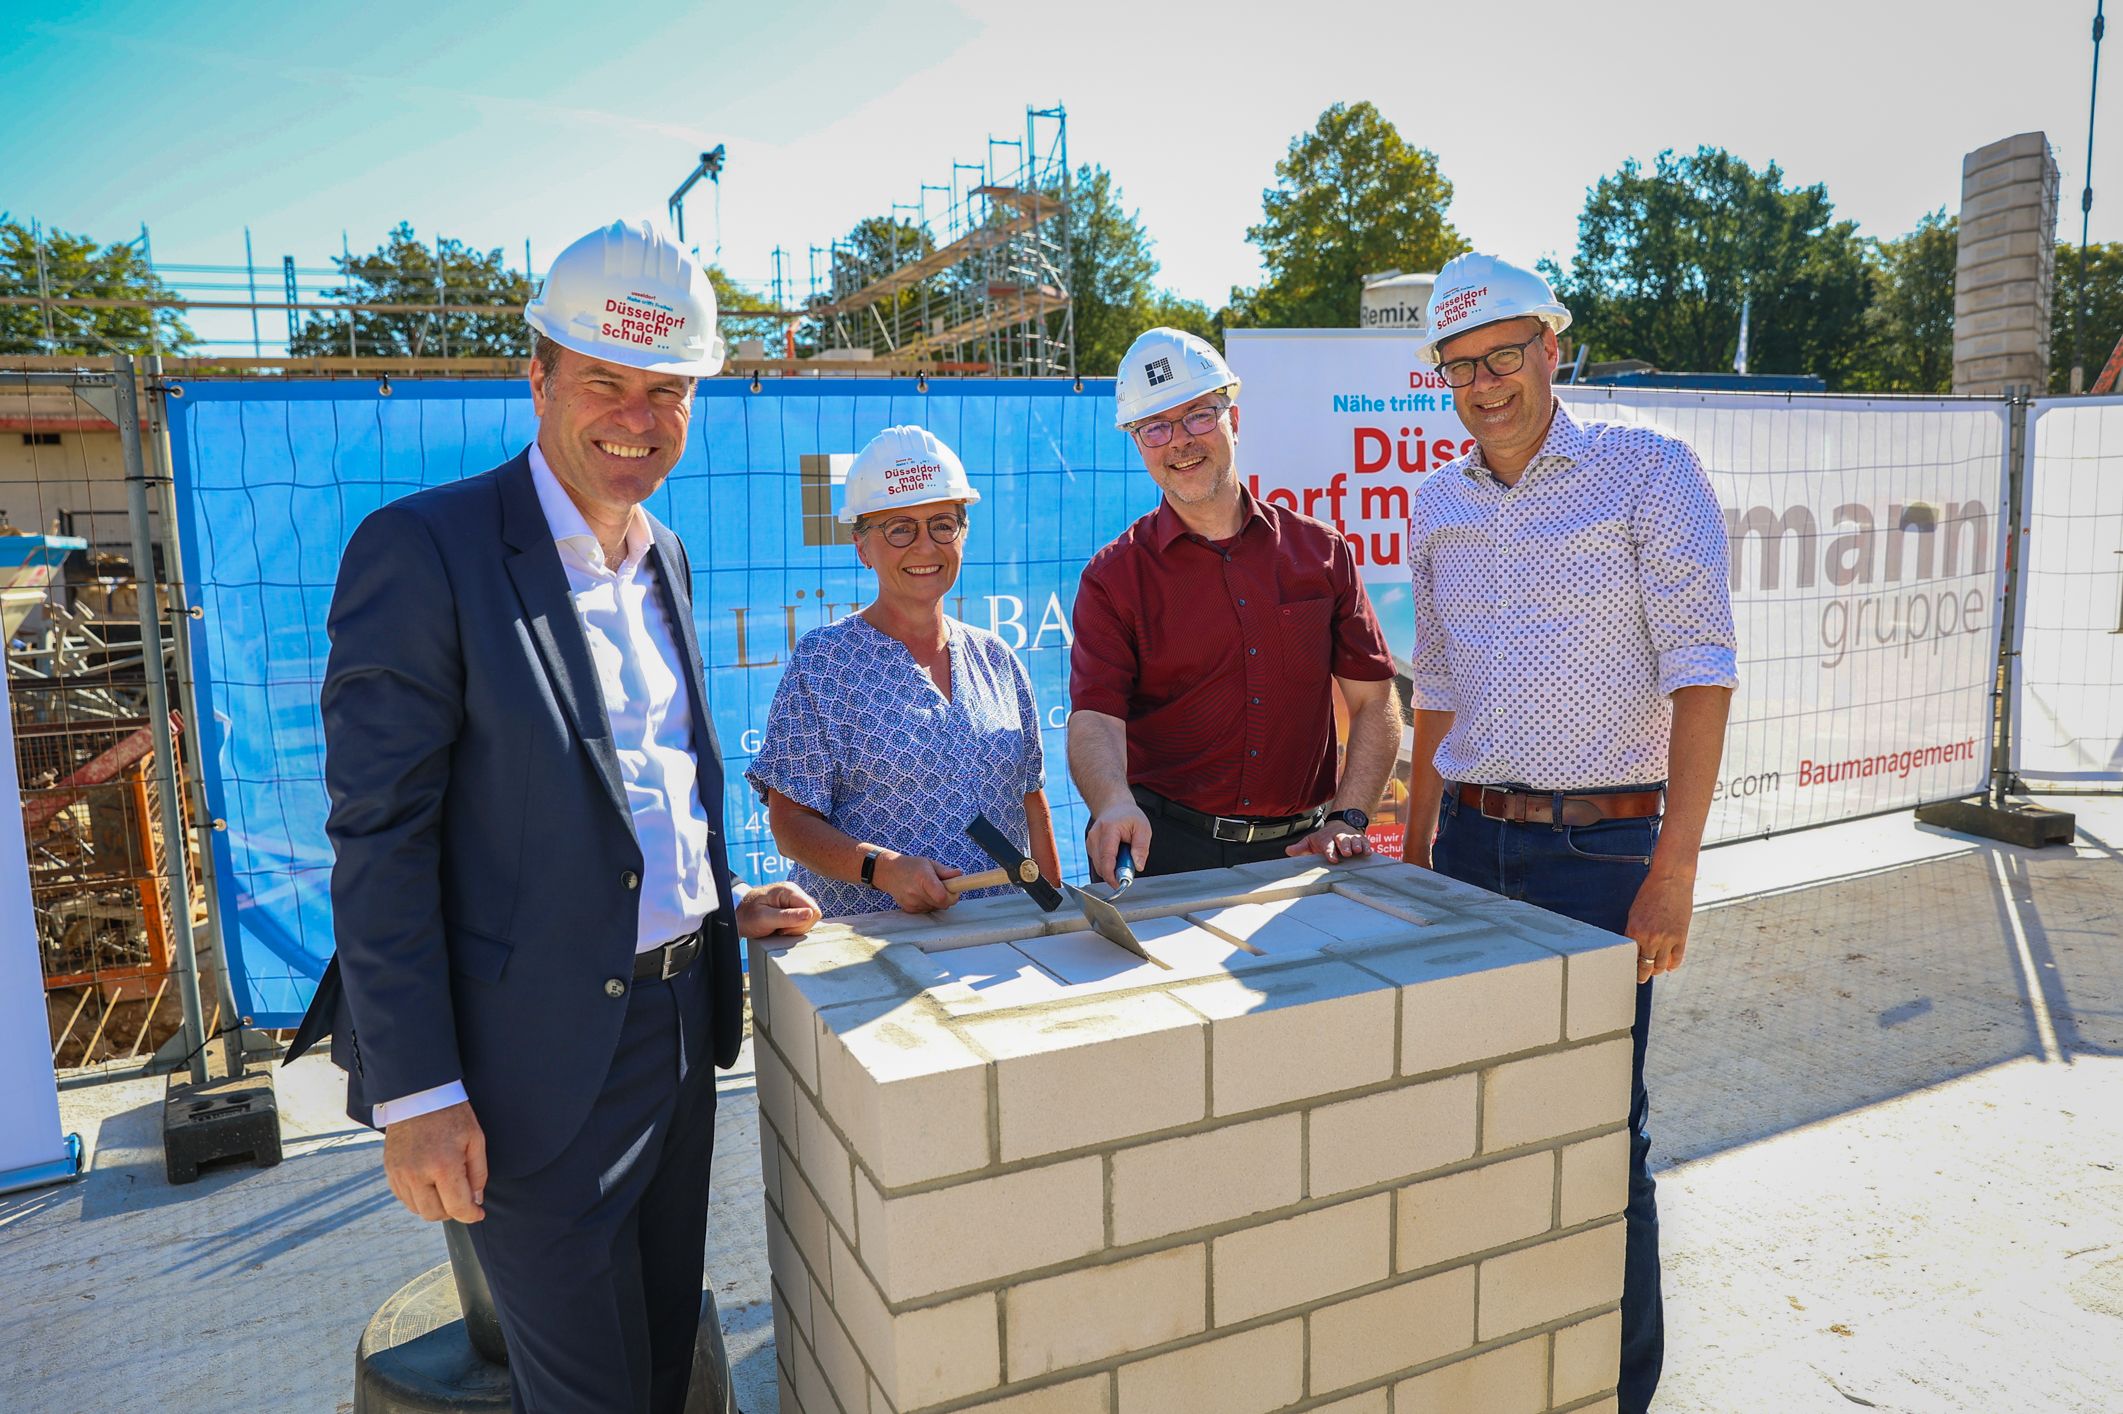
<point>1590,873</point>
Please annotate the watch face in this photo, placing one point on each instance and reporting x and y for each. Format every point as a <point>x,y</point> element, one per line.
<point>1356,819</point>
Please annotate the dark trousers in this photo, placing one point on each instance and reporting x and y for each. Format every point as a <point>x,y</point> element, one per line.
<point>596,1261</point>
<point>1590,873</point>
<point>1178,847</point>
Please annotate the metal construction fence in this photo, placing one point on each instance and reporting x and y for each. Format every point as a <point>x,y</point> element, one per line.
<point>1867,568</point>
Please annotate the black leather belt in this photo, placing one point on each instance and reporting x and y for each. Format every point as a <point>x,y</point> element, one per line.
<point>1231,829</point>
<point>669,960</point>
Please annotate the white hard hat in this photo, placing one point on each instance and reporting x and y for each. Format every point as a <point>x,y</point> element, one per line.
<point>903,466</point>
<point>1163,369</point>
<point>631,294</point>
<point>1473,290</point>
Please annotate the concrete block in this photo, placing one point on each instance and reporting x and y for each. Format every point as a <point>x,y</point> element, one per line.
<point>1249,1373</point>
<point>1547,1282</point>
<point>923,1356</point>
<point>809,1226</point>
<point>2011,245</point>
<point>1511,1379</point>
<point>1588,1357</point>
<point>1089,964</point>
<point>1969,301</point>
<point>813,1395</point>
<point>815,973</point>
<point>1426,885</point>
<point>911,1096</point>
<point>1218,1176</point>
<point>2001,220</point>
<point>1370,1337</point>
<point>1074,1075</point>
<point>791,1277</point>
<point>1473,997</point>
<point>1586,1087</point>
<point>1301,1260</point>
<point>824,1161</point>
<point>790,1404</point>
<point>2028,171</point>
<point>1092,1396</point>
<point>982,1231</point>
<point>1269,928</point>
<point>969,923</point>
<point>2028,268</point>
<point>2008,149</point>
<point>1595,1181</point>
<point>770,1162</point>
<point>1393,1134</point>
<point>1599,984</point>
<point>1992,321</point>
<point>1169,894</point>
<point>843,1368</point>
<point>1099,1312</point>
<point>1441,1219</point>
<point>777,1093</point>
<point>996,974</point>
<point>878,1403</point>
<point>1339,1019</point>
<point>1371,1401</point>
<point>2004,343</point>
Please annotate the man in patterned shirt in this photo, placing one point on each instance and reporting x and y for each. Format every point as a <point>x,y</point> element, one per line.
<point>1574,660</point>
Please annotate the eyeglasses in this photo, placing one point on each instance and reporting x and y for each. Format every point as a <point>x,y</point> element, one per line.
<point>1199,423</point>
<point>900,531</point>
<point>1503,362</point>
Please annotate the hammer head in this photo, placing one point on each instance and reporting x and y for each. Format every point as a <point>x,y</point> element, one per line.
<point>1023,872</point>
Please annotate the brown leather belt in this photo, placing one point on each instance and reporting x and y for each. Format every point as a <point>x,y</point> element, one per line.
<point>1530,807</point>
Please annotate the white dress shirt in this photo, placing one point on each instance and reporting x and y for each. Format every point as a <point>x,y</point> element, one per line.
<point>1556,616</point>
<point>641,676</point>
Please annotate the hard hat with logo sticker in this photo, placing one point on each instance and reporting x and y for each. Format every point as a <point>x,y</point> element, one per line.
<point>1473,290</point>
<point>1164,369</point>
<point>903,466</point>
<point>631,294</point>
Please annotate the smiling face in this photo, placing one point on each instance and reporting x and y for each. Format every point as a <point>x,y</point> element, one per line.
<point>1196,468</point>
<point>922,573</point>
<point>610,433</point>
<point>1508,415</point>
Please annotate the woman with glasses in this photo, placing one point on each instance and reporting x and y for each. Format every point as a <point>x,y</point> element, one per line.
<point>896,725</point>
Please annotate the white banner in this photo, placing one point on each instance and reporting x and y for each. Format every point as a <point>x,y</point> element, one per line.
<point>32,1150</point>
<point>1865,555</point>
<point>2068,676</point>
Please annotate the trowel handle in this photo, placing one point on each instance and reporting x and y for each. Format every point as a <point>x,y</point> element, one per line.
<point>1123,869</point>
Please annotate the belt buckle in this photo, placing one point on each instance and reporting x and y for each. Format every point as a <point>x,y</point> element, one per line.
<point>1216,831</point>
<point>671,967</point>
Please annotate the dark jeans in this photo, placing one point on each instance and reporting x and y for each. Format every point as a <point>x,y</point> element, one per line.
<point>1590,873</point>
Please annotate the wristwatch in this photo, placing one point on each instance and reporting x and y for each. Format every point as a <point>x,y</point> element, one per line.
<point>869,867</point>
<point>1355,819</point>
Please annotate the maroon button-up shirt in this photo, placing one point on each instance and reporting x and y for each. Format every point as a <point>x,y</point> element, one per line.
<point>1221,657</point>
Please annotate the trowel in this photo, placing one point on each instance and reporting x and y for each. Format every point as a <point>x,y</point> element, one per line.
<point>1014,868</point>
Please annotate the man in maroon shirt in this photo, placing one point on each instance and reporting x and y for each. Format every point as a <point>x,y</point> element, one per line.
<point>1209,637</point>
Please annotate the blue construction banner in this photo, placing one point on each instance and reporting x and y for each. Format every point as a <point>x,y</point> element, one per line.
<point>273,476</point>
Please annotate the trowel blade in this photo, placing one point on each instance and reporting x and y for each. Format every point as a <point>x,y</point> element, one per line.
<point>1106,921</point>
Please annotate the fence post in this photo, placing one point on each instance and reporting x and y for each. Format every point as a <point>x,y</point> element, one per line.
<point>1990,815</point>
<point>158,718</point>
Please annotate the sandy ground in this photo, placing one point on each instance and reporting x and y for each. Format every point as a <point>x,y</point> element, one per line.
<point>1887,1091</point>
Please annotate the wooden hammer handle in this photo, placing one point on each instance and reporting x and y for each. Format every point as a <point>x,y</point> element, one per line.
<point>1025,873</point>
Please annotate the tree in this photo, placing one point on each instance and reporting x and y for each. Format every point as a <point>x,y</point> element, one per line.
<point>1912,310</point>
<point>74,267</point>
<point>1352,198</point>
<point>1113,278</point>
<point>1665,260</point>
<point>404,270</point>
<point>2103,295</point>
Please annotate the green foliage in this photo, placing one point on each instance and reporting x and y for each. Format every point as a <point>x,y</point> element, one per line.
<point>404,270</point>
<point>2103,299</point>
<point>1665,258</point>
<point>74,266</point>
<point>1911,318</point>
<point>1113,278</point>
<point>1352,198</point>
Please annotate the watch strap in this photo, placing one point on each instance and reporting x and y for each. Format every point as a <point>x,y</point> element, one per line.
<point>869,868</point>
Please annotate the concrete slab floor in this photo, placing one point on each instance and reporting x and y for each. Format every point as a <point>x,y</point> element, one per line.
<point>1887,1095</point>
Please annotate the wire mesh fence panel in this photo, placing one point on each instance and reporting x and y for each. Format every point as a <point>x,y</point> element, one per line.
<point>99,858</point>
<point>1865,568</point>
<point>2068,675</point>
<point>272,478</point>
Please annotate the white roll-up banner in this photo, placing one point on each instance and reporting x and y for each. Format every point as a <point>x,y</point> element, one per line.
<point>1865,554</point>
<point>32,1149</point>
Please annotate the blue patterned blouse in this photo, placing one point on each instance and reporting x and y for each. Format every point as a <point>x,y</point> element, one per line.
<point>860,734</point>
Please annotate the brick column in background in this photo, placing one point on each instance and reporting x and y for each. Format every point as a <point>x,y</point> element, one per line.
<point>1362,1136</point>
<point>2006,268</point>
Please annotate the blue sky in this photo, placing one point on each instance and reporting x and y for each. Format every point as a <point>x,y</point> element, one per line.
<point>499,124</point>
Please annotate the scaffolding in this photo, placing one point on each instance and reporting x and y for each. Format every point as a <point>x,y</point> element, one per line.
<point>980,286</point>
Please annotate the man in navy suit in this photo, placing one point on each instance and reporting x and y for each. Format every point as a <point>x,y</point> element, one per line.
<point>537,967</point>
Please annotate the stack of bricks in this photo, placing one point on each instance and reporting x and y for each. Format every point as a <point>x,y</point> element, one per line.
<point>2005,267</point>
<point>1356,1134</point>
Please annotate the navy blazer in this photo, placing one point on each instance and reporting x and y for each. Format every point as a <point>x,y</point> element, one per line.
<point>485,884</point>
